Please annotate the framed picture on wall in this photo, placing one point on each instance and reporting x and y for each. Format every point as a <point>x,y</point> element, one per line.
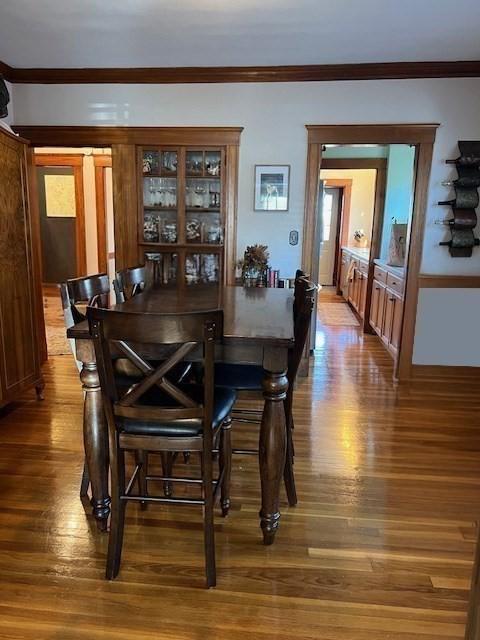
<point>272,184</point>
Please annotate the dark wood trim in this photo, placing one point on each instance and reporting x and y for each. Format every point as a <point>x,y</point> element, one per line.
<point>422,136</point>
<point>76,162</point>
<point>411,133</point>
<point>87,136</point>
<point>285,73</point>
<point>426,281</point>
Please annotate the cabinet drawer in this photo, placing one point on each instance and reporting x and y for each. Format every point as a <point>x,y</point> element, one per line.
<point>380,275</point>
<point>395,283</point>
<point>363,267</point>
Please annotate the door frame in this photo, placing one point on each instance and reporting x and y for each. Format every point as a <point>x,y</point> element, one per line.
<point>345,185</point>
<point>101,163</point>
<point>422,136</point>
<point>76,162</point>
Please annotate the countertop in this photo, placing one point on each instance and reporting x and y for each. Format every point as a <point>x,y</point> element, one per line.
<point>397,271</point>
<point>362,253</point>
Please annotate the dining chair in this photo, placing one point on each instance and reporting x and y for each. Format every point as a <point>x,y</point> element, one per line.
<point>155,415</point>
<point>93,291</point>
<point>129,282</point>
<point>247,379</point>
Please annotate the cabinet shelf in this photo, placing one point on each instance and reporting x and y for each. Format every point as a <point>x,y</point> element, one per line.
<point>203,209</point>
<point>156,207</point>
<point>200,177</point>
<point>188,245</point>
<point>163,174</point>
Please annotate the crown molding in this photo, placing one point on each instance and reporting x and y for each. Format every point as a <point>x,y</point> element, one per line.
<point>295,73</point>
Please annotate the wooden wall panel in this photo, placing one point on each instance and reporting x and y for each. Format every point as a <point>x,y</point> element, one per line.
<point>124,172</point>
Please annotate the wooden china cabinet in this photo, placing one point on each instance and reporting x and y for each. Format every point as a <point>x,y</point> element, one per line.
<point>187,212</point>
<point>22,337</point>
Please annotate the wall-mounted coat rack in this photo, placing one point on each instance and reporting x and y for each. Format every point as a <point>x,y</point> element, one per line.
<point>465,202</point>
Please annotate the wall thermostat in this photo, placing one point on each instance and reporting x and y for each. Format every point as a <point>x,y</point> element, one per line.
<point>293,238</point>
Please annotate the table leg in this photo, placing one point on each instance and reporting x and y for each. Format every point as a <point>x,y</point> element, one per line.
<point>95,443</point>
<point>272,449</point>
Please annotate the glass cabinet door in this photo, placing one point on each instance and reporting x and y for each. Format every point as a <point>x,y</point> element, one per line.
<point>203,197</point>
<point>160,204</point>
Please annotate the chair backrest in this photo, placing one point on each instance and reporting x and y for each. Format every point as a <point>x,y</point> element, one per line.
<point>115,331</point>
<point>300,277</point>
<point>129,282</point>
<point>304,302</point>
<point>90,290</point>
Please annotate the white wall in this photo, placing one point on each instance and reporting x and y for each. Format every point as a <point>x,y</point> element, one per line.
<point>10,118</point>
<point>399,191</point>
<point>274,116</point>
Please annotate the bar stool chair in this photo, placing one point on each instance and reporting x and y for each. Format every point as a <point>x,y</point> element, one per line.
<point>247,380</point>
<point>91,290</point>
<point>156,415</point>
<point>129,282</point>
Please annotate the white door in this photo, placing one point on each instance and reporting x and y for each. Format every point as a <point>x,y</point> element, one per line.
<point>328,233</point>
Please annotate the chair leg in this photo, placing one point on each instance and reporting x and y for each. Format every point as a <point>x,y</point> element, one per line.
<point>167,468</point>
<point>288,475</point>
<point>208,528</point>
<point>117,518</point>
<point>141,459</point>
<point>85,483</point>
<point>225,465</point>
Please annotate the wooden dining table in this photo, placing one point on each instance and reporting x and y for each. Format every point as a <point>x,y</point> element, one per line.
<point>258,329</point>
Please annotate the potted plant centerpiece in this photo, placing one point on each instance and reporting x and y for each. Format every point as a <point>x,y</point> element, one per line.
<point>254,265</point>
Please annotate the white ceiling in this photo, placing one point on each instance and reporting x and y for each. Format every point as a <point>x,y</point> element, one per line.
<point>158,33</point>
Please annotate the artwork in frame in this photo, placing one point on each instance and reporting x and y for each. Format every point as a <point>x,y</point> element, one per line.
<point>272,184</point>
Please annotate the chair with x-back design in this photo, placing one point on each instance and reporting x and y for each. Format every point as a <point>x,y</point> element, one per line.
<point>155,415</point>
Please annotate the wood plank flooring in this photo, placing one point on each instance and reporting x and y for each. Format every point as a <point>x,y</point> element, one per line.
<point>380,545</point>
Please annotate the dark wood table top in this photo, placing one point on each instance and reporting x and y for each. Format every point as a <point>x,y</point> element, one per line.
<point>250,314</point>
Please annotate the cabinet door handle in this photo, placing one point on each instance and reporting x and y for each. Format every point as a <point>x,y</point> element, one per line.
<point>394,282</point>
<point>377,288</point>
<point>392,299</point>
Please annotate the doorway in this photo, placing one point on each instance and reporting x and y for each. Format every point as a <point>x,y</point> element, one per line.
<point>75,204</point>
<point>330,223</point>
<point>62,217</point>
<point>393,322</point>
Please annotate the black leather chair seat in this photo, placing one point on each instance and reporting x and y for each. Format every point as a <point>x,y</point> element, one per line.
<point>243,377</point>
<point>224,399</point>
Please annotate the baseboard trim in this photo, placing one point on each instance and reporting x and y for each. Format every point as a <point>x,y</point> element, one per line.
<point>422,371</point>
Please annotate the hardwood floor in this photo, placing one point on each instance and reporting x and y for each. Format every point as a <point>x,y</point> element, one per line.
<point>380,545</point>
